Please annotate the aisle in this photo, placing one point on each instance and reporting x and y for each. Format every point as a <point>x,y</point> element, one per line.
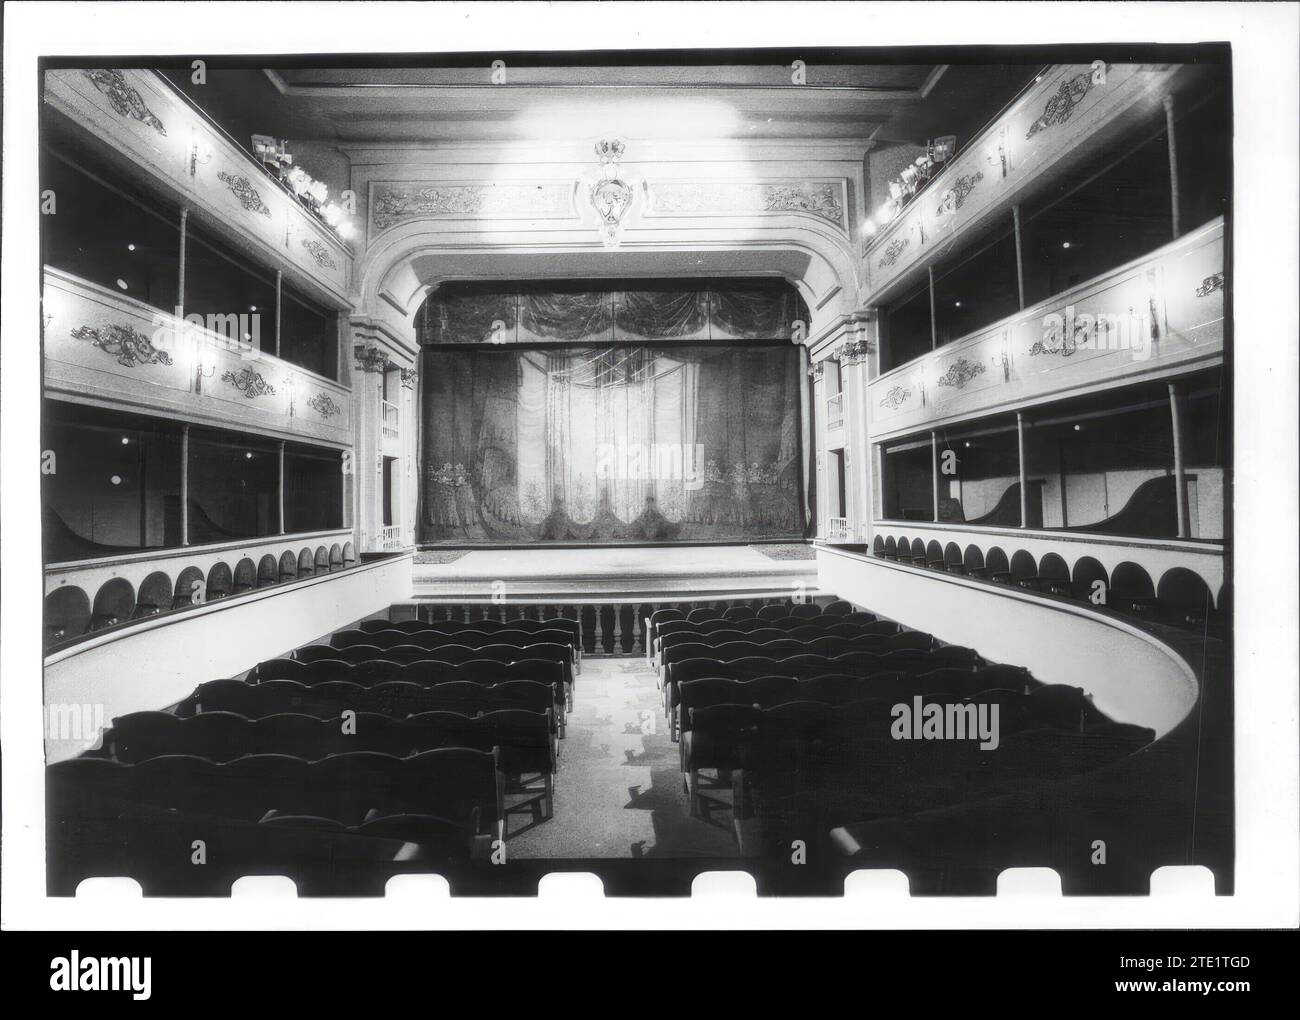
<point>619,789</point>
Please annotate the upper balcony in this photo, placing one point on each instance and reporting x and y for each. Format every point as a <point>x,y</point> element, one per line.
<point>117,351</point>
<point>1071,109</point>
<point>1159,315</point>
<point>141,118</point>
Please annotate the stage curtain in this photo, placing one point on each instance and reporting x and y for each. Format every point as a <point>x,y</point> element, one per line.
<point>616,443</point>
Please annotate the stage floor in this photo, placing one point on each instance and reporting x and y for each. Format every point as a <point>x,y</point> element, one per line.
<point>643,572</point>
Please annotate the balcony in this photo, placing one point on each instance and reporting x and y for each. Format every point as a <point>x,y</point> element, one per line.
<point>1159,315</point>
<point>1026,146</point>
<point>391,417</point>
<point>837,530</point>
<point>144,119</point>
<point>106,347</point>
<point>390,537</point>
<point>835,411</point>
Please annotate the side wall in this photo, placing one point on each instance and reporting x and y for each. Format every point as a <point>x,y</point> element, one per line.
<point>157,663</point>
<point>1131,676</point>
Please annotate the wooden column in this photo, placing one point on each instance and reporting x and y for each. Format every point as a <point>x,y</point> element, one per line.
<point>1020,261</point>
<point>279,283</point>
<point>280,488</point>
<point>934,328</point>
<point>1173,164</point>
<point>934,472</point>
<point>185,485</point>
<point>1024,487</point>
<point>1178,415</point>
<point>180,272</point>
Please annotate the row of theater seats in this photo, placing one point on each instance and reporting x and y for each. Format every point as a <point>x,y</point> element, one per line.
<point>453,794</point>
<point>770,614</point>
<point>809,766</point>
<point>348,737</point>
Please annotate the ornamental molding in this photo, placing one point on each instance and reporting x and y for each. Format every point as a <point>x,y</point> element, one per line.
<point>893,250</point>
<point>249,382</point>
<point>955,196</point>
<point>123,97</point>
<point>319,253</point>
<point>409,377</point>
<point>960,372</point>
<point>852,352</point>
<point>821,199</point>
<point>895,397</point>
<point>1063,102</point>
<point>610,195</point>
<point>396,202</point>
<point>370,358</point>
<point>324,405</point>
<point>129,347</point>
<point>243,189</point>
<point>1210,284</point>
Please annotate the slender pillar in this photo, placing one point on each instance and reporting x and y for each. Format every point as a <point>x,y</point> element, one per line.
<point>1178,414</point>
<point>1024,486</point>
<point>934,471</point>
<point>1173,163</point>
<point>1020,261</point>
<point>934,328</point>
<point>279,283</point>
<point>180,271</point>
<point>806,453</point>
<point>185,485</point>
<point>280,486</point>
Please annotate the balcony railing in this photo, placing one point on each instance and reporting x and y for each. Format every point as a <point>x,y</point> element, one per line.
<point>1022,147</point>
<point>835,411</point>
<point>837,529</point>
<point>390,421</point>
<point>1158,312</point>
<point>104,345</point>
<point>390,537</point>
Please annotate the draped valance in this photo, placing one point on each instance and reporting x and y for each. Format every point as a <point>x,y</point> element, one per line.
<point>610,311</point>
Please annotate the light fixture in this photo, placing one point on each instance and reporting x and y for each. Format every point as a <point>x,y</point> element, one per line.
<point>956,304</point>
<point>248,455</point>
<point>123,284</point>
<point>130,247</point>
<point>252,308</point>
<point>116,479</point>
<point>1065,244</point>
<point>1078,428</point>
<point>125,440</point>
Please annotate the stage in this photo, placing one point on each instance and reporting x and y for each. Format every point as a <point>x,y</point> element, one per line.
<point>622,574</point>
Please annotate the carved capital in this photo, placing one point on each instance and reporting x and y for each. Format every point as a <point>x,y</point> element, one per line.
<point>369,358</point>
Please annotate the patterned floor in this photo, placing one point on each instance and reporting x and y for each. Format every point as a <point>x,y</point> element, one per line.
<point>619,787</point>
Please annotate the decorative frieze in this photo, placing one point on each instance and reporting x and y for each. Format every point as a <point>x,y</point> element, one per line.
<point>821,199</point>
<point>243,189</point>
<point>1209,285</point>
<point>893,250</point>
<point>129,347</point>
<point>395,203</point>
<point>248,382</point>
<point>956,195</point>
<point>1063,102</point>
<point>319,253</point>
<point>895,397</point>
<point>123,97</point>
<point>324,405</point>
<point>960,372</point>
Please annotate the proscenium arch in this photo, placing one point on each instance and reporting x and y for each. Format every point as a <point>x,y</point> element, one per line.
<point>405,264</point>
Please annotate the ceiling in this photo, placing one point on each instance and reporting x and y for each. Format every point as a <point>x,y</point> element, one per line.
<point>350,106</point>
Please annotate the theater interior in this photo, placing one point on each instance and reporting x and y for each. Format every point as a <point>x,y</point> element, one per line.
<point>647,465</point>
